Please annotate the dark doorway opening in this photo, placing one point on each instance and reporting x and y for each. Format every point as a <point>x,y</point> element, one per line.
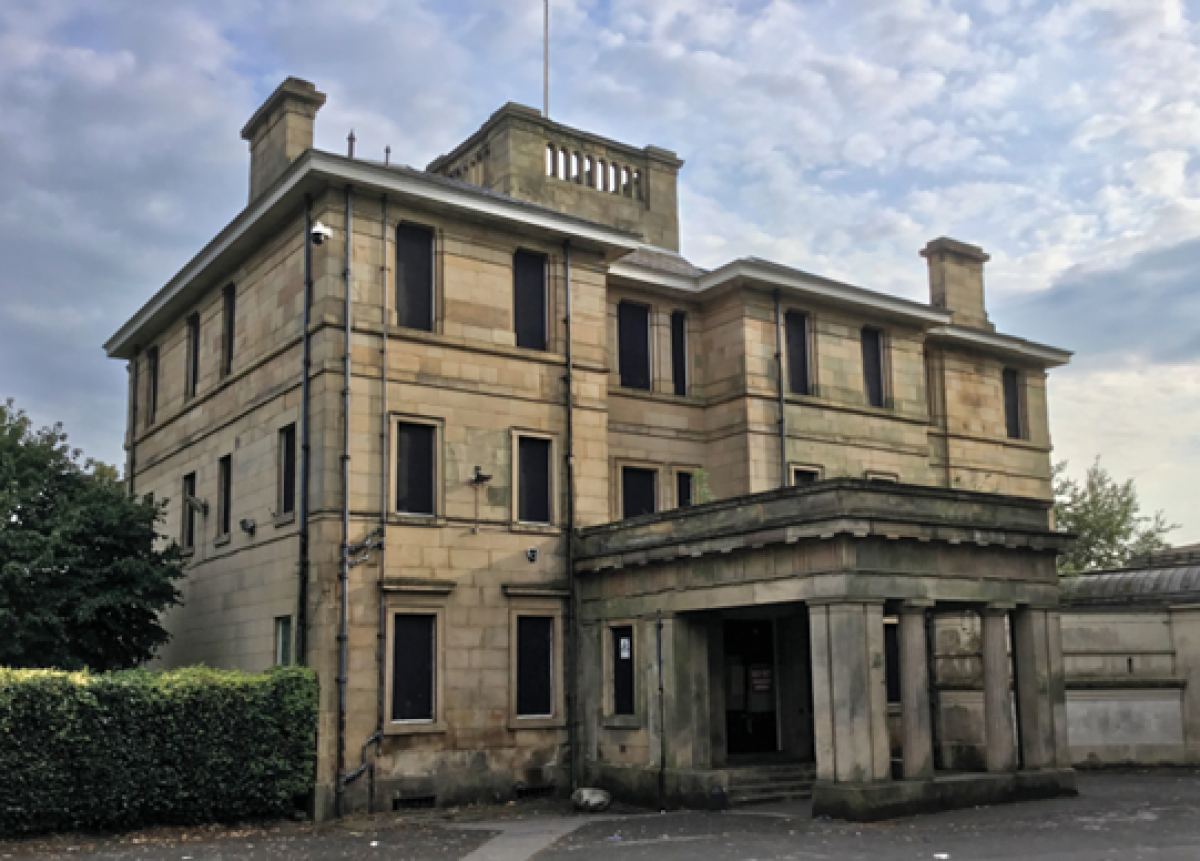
<point>751,687</point>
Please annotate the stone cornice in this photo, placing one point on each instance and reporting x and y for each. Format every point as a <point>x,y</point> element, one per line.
<point>839,507</point>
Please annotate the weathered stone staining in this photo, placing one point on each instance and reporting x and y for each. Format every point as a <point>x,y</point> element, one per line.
<point>839,553</point>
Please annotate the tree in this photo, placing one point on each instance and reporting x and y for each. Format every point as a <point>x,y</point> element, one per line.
<point>1106,516</point>
<point>83,573</point>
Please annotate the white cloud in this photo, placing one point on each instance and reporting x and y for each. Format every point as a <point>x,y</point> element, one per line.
<point>836,137</point>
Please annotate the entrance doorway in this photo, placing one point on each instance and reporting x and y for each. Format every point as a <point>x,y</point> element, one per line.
<point>751,687</point>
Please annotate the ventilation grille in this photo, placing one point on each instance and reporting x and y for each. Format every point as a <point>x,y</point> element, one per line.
<point>415,802</point>
<point>524,793</point>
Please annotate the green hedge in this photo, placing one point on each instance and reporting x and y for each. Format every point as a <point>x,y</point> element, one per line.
<point>136,748</point>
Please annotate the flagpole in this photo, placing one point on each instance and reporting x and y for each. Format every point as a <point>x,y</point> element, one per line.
<point>546,58</point>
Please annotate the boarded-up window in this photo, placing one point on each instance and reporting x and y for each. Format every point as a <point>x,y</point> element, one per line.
<point>224,494</point>
<point>638,491</point>
<point>872,354</point>
<point>414,277</point>
<point>534,480</point>
<point>192,377</point>
<point>683,489</point>
<point>1012,403</point>
<point>187,532</point>
<point>529,300</point>
<point>622,663</point>
<point>796,326</point>
<point>891,654</point>
<point>229,316</point>
<point>679,352</point>
<point>535,666</point>
<point>414,647</point>
<point>633,335</point>
<point>152,384</point>
<point>287,469</point>
<point>802,475</point>
<point>415,468</point>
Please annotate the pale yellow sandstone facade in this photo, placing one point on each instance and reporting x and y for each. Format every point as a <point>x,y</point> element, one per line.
<point>509,188</point>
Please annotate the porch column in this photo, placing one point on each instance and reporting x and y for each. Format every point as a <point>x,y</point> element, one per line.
<point>1033,688</point>
<point>1058,690</point>
<point>914,691</point>
<point>997,698</point>
<point>849,691</point>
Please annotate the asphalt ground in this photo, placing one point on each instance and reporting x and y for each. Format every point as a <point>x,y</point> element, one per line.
<point>1118,815</point>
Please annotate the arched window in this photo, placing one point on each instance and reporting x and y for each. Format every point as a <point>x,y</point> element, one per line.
<point>549,159</point>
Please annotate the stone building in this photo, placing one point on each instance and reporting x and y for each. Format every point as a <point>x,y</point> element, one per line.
<point>544,503</point>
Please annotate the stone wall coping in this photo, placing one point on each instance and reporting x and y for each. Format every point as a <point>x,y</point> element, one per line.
<point>946,245</point>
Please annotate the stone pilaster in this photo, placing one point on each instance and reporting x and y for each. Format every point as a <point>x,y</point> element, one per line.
<point>997,695</point>
<point>914,692</point>
<point>849,692</point>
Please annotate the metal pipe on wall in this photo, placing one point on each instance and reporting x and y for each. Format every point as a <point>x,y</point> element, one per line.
<point>305,453</point>
<point>344,574</point>
<point>573,598</point>
<point>131,462</point>
<point>783,470</point>
<point>384,501</point>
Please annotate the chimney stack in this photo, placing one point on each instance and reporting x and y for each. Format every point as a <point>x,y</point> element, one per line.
<point>280,131</point>
<point>956,281</point>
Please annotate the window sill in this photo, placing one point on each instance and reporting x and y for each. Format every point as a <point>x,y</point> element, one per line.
<point>400,519</point>
<point>534,528</point>
<point>622,722</point>
<point>520,723</point>
<point>187,552</point>
<point>222,540</point>
<point>281,520</point>
<point>415,728</point>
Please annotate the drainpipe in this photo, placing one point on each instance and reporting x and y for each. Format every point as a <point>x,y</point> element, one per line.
<point>384,458</point>
<point>305,368</point>
<point>783,471</point>
<point>344,574</point>
<point>131,467</point>
<point>573,597</point>
<point>662,721</point>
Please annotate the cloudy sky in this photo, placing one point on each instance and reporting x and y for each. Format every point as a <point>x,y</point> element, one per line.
<point>836,136</point>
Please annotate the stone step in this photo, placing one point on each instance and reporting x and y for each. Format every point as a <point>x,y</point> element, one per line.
<point>769,795</point>
<point>761,777</point>
<point>789,780</point>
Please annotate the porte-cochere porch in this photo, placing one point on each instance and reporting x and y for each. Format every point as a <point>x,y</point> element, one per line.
<point>801,626</point>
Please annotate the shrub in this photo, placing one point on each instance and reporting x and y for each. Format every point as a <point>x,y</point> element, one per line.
<point>136,748</point>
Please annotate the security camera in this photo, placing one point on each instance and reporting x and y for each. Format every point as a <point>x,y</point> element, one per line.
<point>320,233</point>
